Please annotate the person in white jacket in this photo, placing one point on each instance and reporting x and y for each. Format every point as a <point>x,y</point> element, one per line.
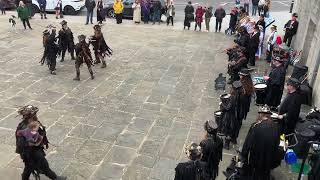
<point>136,11</point>
<point>271,41</point>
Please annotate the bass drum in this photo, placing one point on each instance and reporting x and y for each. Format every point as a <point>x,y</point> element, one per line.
<point>260,94</point>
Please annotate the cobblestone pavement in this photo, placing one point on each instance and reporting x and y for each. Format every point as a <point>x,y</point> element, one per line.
<point>132,121</point>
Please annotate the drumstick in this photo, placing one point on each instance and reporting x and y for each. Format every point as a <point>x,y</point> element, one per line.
<point>305,78</point>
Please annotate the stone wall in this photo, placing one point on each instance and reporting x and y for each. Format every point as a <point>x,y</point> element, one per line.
<point>308,40</point>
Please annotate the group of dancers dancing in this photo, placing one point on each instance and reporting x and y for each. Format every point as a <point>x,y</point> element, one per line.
<point>56,45</point>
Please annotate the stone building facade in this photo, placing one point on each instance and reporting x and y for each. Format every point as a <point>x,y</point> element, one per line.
<point>308,40</point>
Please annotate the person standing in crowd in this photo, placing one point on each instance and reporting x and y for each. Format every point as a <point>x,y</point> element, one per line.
<point>3,7</point>
<point>261,22</point>
<point>291,29</point>
<point>58,9</point>
<point>118,9</point>
<point>33,156</point>
<point>90,5</point>
<point>99,11</point>
<point>199,17</point>
<point>207,16</point>
<point>189,15</point>
<point>170,13</point>
<point>156,12</point>
<point>237,3</point>
<point>260,47</point>
<point>194,168</point>
<point>271,41</point>
<point>145,9</point>
<point>212,147</point>
<point>266,8</point>
<point>229,106</point>
<point>261,7</point>
<point>246,5</point>
<point>42,6</point>
<point>253,46</point>
<point>136,12</point>
<point>220,13</point>
<point>289,109</point>
<point>248,91</point>
<point>23,14</point>
<point>233,20</point>
<point>66,40</point>
<point>260,147</point>
<point>255,4</point>
<point>275,83</point>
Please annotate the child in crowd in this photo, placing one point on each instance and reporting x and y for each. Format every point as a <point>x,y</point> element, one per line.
<point>31,134</point>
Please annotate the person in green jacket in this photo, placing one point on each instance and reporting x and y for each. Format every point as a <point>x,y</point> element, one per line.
<point>23,14</point>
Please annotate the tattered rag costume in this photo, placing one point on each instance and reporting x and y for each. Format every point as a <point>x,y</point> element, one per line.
<point>100,47</point>
<point>83,56</point>
<point>66,41</point>
<point>51,52</point>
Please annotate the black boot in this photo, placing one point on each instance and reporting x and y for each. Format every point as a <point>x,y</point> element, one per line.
<point>104,65</point>
<point>91,73</point>
<point>61,178</point>
<point>226,143</point>
<point>77,78</point>
<point>72,56</point>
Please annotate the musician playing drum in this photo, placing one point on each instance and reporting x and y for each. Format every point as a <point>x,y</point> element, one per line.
<point>275,82</point>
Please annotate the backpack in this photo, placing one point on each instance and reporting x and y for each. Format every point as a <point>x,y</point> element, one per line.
<point>279,40</point>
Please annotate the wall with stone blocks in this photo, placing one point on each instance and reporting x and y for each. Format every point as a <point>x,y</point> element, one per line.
<point>308,40</point>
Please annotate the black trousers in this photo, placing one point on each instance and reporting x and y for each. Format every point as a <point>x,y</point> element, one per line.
<point>119,18</point>
<point>269,53</point>
<point>252,58</point>
<point>24,21</point>
<point>37,161</point>
<point>43,10</point>
<point>70,48</point>
<point>52,63</point>
<point>197,24</point>
<point>170,18</point>
<point>218,24</point>
<point>261,175</point>
<point>287,39</point>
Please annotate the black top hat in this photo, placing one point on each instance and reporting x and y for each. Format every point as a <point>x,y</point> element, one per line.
<point>81,37</point>
<point>293,82</point>
<point>46,32</point>
<point>264,110</point>
<point>244,72</point>
<point>97,27</point>
<point>237,84</point>
<point>295,14</point>
<point>210,125</point>
<point>63,22</point>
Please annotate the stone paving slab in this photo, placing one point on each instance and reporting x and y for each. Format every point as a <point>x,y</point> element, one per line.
<point>132,121</point>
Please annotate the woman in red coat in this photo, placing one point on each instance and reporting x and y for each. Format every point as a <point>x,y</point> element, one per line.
<point>199,13</point>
